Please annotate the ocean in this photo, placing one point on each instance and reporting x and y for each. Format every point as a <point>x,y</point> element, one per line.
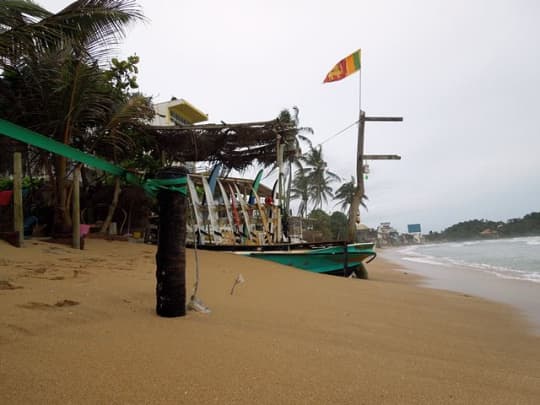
<point>502,270</point>
<point>516,258</point>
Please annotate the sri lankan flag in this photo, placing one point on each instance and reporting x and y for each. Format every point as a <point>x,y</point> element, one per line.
<point>344,68</point>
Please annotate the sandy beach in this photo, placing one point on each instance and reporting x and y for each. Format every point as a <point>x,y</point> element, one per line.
<point>80,327</point>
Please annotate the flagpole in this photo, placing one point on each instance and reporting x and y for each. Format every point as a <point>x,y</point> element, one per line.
<point>360,89</point>
<point>357,199</point>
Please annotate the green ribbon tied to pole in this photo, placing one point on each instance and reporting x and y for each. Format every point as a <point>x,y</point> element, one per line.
<point>151,186</point>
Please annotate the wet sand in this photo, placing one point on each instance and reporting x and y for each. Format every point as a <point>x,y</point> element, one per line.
<point>80,327</point>
<point>522,294</point>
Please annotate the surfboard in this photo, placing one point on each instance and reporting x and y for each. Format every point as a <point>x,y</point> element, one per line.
<point>227,204</point>
<point>196,204</point>
<point>236,215</point>
<point>244,208</point>
<point>255,187</point>
<point>264,218</point>
<point>212,179</point>
<point>215,233</point>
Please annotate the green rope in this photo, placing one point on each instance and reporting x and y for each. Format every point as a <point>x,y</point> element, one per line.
<point>151,186</point>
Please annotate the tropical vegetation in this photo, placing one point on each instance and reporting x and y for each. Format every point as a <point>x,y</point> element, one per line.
<point>313,179</point>
<point>57,79</point>
<point>529,225</point>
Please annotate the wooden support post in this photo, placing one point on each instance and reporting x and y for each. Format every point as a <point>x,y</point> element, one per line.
<point>171,254</point>
<point>281,200</point>
<point>354,209</point>
<point>381,157</point>
<point>76,210</point>
<point>18,214</point>
<point>345,258</point>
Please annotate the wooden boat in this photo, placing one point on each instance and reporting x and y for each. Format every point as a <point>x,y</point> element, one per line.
<point>336,259</point>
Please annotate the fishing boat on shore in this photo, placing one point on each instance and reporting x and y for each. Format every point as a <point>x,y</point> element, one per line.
<point>342,260</point>
<point>248,221</point>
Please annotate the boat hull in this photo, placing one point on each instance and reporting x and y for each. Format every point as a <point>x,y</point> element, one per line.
<point>329,260</point>
<point>280,247</point>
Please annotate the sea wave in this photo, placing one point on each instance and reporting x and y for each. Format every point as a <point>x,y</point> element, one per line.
<point>424,260</point>
<point>507,271</point>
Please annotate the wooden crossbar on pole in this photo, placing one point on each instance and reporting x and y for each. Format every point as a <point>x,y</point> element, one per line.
<point>381,157</point>
<point>384,119</point>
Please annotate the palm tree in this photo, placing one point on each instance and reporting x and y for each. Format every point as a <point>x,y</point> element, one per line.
<point>300,191</point>
<point>26,29</point>
<point>319,176</point>
<point>345,195</point>
<point>51,71</point>
<point>292,137</point>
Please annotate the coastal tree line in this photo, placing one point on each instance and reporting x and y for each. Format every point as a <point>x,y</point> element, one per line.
<point>528,225</point>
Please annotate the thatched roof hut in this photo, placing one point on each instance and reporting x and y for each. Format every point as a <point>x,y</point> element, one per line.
<point>237,146</point>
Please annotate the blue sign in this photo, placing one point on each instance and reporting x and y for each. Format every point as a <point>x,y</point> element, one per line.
<point>414,228</point>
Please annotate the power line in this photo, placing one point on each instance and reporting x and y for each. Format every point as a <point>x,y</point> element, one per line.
<point>338,133</point>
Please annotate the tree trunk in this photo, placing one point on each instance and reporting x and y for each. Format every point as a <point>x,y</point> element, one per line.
<point>62,222</point>
<point>112,206</point>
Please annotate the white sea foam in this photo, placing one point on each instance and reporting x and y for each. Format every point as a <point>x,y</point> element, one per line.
<point>409,249</point>
<point>424,260</point>
<point>471,243</point>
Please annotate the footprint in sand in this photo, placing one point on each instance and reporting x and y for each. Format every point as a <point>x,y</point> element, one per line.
<point>6,285</point>
<point>43,305</point>
<point>66,303</point>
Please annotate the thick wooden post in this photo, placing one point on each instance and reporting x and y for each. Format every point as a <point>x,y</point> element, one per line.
<point>171,255</point>
<point>354,210</point>
<point>18,214</point>
<point>76,210</point>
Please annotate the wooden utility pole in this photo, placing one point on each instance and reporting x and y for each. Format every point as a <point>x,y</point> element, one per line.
<point>76,209</point>
<point>354,211</point>
<point>18,214</point>
<point>278,232</point>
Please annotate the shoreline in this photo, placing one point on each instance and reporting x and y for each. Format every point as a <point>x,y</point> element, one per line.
<point>522,295</point>
<point>80,327</point>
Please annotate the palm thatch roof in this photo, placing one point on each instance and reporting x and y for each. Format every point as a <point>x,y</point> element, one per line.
<point>237,146</point>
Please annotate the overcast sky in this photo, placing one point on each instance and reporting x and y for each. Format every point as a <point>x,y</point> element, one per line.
<point>463,74</point>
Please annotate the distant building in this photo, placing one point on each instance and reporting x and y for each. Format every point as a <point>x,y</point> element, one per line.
<point>177,112</point>
<point>386,235</point>
<point>415,232</point>
<point>489,233</point>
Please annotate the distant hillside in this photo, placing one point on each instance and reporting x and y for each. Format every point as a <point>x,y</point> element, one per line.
<point>529,225</point>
